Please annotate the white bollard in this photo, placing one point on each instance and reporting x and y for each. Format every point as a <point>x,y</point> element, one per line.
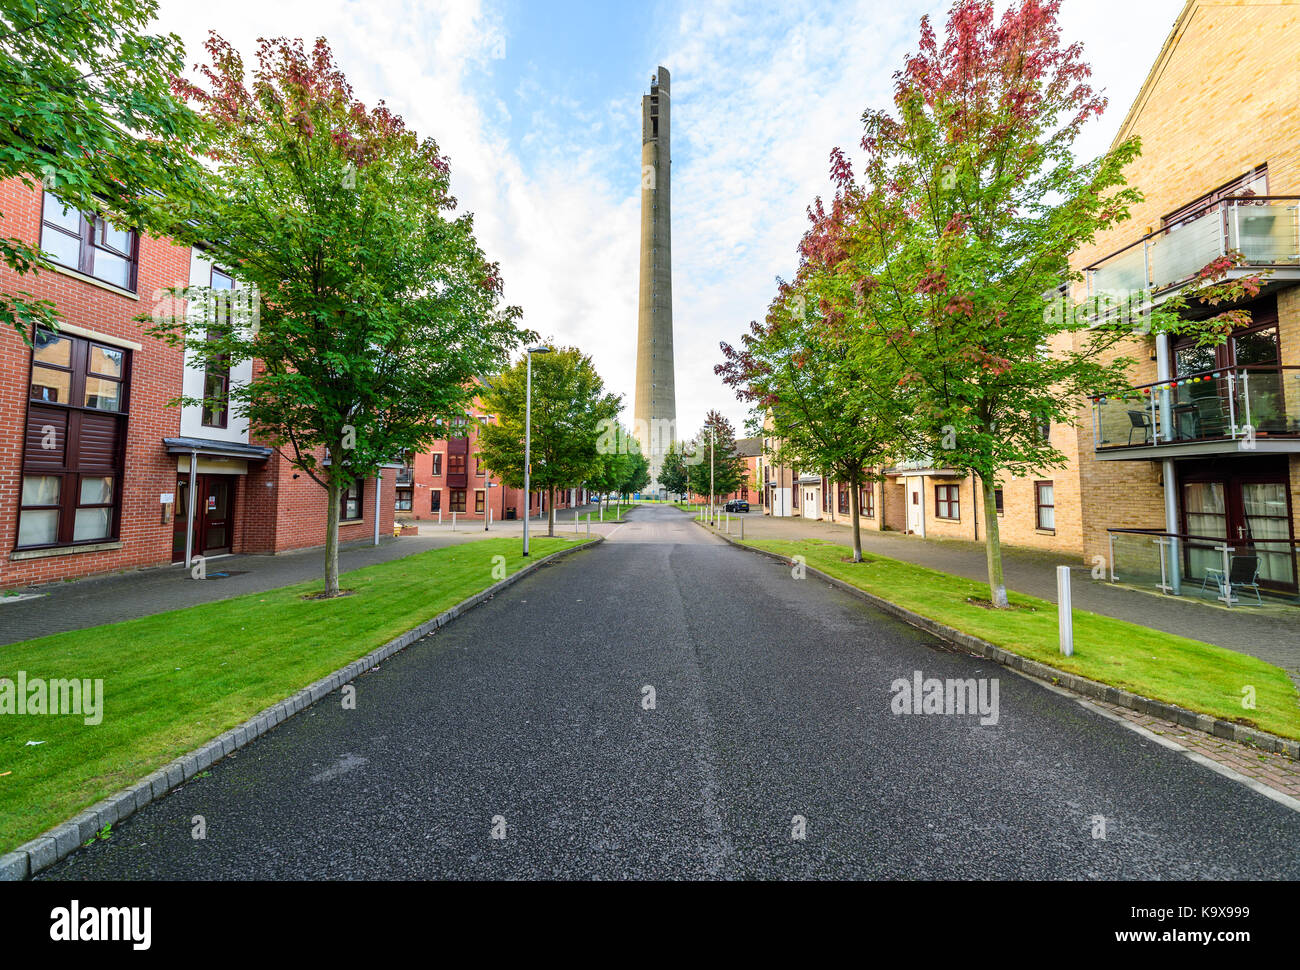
<point>453,521</point>
<point>1064,610</point>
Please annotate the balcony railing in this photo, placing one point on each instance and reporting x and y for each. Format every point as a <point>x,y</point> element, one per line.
<point>1242,404</point>
<point>405,476</point>
<point>1233,572</point>
<point>1264,229</point>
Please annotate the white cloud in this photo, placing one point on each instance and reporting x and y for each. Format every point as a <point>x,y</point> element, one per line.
<point>760,96</point>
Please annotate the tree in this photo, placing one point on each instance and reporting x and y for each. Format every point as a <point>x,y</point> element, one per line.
<point>832,406</point>
<point>86,109</point>
<point>672,476</point>
<point>617,453</point>
<point>377,306</point>
<point>569,406</point>
<point>636,474</point>
<point>971,207</point>
<point>719,464</point>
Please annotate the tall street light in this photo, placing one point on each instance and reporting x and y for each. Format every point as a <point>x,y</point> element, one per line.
<point>528,438</point>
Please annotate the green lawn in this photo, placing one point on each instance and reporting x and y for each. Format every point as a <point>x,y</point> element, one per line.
<point>1191,674</point>
<point>175,680</point>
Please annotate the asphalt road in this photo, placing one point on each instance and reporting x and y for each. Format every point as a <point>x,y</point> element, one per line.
<point>772,700</point>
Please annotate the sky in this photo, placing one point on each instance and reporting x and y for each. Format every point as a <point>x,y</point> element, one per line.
<point>537,104</point>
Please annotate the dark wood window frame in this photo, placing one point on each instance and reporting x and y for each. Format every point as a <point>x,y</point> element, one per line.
<point>457,500</point>
<point>867,501</point>
<point>435,500</point>
<point>216,372</point>
<point>437,464</point>
<point>480,500</point>
<point>456,464</point>
<point>999,505</point>
<point>1040,505</point>
<point>90,236</point>
<point>73,471</point>
<point>354,494</point>
<point>405,497</point>
<point>947,502</point>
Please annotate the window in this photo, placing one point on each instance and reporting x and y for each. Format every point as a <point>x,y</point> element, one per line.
<point>88,244</point>
<point>73,452</point>
<point>478,500</point>
<point>435,500</point>
<point>216,376</point>
<point>844,500</point>
<point>403,502</point>
<point>458,500</point>
<point>456,465</point>
<point>997,501</point>
<point>1045,506</point>
<point>947,501</point>
<point>437,464</point>
<point>350,507</point>
<point>867,501</point>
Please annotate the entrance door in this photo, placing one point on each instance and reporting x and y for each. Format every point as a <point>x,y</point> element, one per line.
<point>810,503</point>
<point>915,507</point>
<point>213,515</point>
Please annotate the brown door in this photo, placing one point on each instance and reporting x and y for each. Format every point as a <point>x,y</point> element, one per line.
<point>213,515</point>
<point>1248,508</point>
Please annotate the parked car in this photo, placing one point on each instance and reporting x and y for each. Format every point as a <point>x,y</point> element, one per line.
<point>736,505</point>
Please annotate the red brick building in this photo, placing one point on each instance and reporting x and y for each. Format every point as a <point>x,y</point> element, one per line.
<point>94,463</point>
<point>447,477</point>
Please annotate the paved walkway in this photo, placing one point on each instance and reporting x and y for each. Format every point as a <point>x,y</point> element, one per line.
<point>1273,636</point>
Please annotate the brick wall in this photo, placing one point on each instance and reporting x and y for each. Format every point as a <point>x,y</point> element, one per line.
<point>155,379</point>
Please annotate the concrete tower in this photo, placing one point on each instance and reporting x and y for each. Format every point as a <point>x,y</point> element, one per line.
<point>655,408</point>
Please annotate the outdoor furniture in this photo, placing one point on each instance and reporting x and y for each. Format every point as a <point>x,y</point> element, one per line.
<point>1242,571</point>
<point>1139,420</point>
<point>1187,419</point>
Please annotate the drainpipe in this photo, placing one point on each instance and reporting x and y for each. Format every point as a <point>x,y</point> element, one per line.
<point>379,484</point>
<point>189,514</point>
<point>1164,372</point>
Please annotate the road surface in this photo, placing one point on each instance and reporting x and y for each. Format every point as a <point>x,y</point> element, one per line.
<point>772,699</point>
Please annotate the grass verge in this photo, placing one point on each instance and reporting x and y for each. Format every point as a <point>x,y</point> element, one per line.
<point>175,680</point>
<point>1198,676</point>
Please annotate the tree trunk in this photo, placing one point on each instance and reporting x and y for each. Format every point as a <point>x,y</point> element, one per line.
<point>855,509</point>
<point>993,545</point>
<point>550,511</point>
<point>332,491</point>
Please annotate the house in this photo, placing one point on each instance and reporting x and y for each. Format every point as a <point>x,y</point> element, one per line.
<point>97,467</point>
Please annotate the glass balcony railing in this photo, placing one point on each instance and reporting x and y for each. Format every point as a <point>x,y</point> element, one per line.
<point>1241,404</point>
<point>1243,571</point>
<point>405,476</point>
<point>1264,229</point>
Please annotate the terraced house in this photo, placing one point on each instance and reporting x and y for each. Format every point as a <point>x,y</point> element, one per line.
<point>98,471</point>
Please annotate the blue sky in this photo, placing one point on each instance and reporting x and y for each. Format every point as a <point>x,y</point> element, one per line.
<point>538,105</point>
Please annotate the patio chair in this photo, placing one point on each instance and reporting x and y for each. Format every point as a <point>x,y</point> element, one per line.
<point>1243,571</point>
<point>1139,420</point>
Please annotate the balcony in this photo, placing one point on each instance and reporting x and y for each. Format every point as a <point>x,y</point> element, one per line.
<point>1215,412</point>
<point>1241,572</point>
<point>1265,230</point>
<point>405,475</point>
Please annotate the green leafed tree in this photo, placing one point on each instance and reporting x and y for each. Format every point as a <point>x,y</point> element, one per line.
<point>377,306</point>
<point>570,408</point>
<point>87,111</point>
<point>720,470</point>
<point>672,476</point>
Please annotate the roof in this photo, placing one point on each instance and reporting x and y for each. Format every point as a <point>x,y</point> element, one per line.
<point>749,447</point>
<point>209,446</point>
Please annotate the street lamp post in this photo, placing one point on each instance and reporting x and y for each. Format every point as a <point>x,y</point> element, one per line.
<point>528,437</point>
<point>713,442</point>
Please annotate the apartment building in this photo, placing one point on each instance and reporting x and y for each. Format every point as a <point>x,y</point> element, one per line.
<point>1197,464</point>
<point>97,468</point>
<point>1194,471</point>
<point>448,477</point>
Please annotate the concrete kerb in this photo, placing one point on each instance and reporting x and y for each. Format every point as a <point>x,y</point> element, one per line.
<point>49,847</point>
<point>1080,685</point>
